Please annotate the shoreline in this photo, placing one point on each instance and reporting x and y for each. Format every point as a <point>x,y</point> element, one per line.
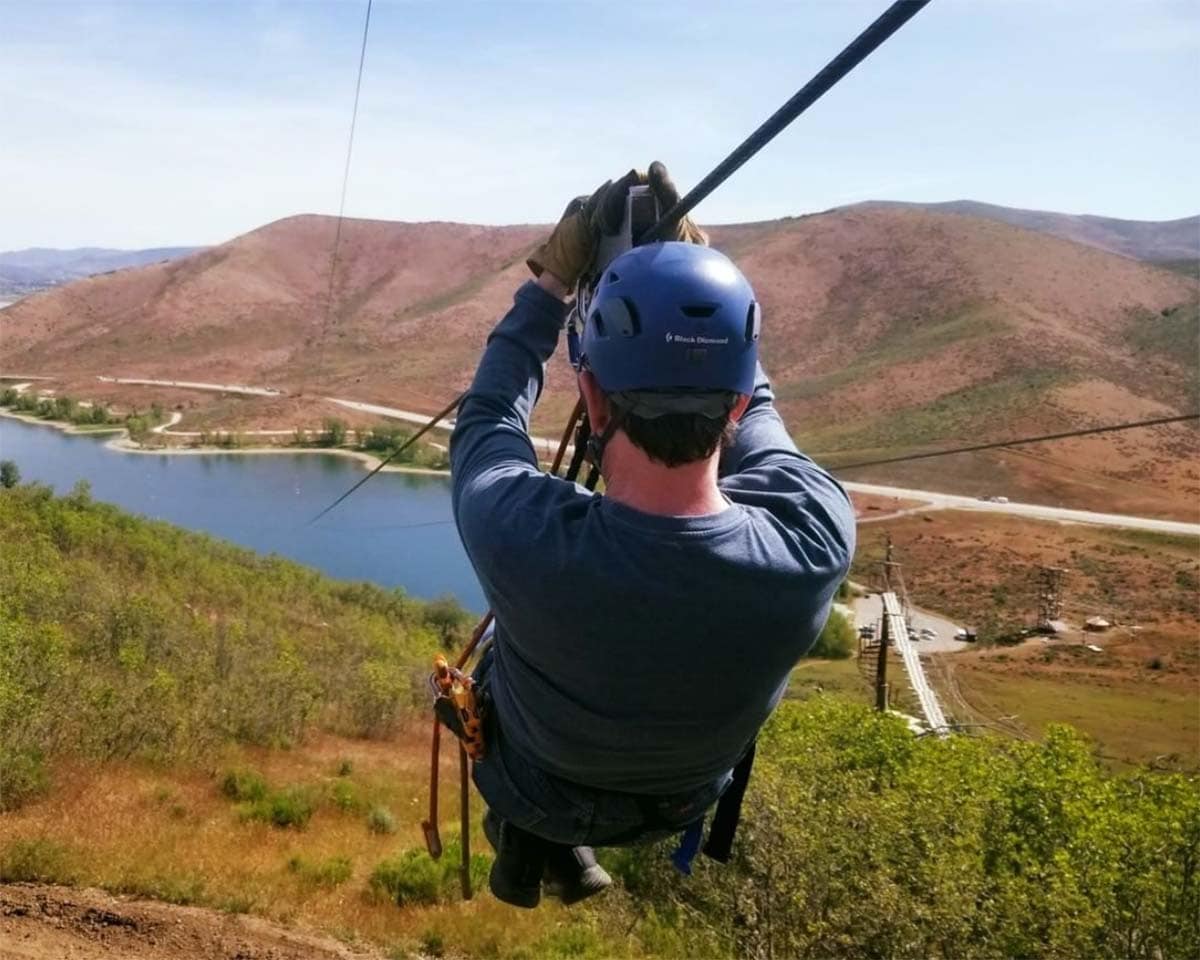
<point>122,444</point>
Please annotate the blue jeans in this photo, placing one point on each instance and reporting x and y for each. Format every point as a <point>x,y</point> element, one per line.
<point>574,814</point>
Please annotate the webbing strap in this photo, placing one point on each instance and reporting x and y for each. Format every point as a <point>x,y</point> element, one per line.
<point>719,845</point>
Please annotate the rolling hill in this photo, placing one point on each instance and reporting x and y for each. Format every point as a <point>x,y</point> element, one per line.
<point>37,268</point>
<point>887,328</point>
<point>1139,239</point>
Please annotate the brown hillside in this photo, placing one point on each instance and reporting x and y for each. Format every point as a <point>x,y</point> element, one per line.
<point>887,329</point>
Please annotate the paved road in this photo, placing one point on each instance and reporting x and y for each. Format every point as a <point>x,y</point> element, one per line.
<point>950,501</point>
<point>868,611</point>
<point>933,499</point>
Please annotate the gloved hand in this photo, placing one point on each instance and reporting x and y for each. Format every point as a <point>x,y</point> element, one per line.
<point>569,251</point>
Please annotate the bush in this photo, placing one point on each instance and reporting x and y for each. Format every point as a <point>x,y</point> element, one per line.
<point>139,429</point>
<point>10,475</point>
<point>381,821</point>
<point>22,775</point>
<point>344,796</point>
<point>37,860</point>
<point>325,873</point>
<point>413,878</point>
<point>838,639</point>
<point>181,643</point>
<point>333,433</point>
<point>860,839</point>
<point>289,807</point>
<point>244,786</point>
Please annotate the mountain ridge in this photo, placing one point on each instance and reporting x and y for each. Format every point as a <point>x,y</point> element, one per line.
<point>886,329</point>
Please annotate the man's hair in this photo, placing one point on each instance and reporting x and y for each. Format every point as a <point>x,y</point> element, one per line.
<point>674,439</point>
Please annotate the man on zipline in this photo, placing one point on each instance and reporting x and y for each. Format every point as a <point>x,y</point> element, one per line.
<point>642,637</point>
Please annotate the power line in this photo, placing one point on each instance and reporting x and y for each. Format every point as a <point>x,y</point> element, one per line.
<point>337,234</point>
<point>1000,444</point>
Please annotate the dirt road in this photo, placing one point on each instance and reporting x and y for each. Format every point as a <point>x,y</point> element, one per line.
<point>39,922</point>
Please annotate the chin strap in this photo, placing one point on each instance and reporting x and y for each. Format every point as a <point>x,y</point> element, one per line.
<point>597,443</point>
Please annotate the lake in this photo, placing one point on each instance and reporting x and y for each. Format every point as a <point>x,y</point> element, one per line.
<point>395,531</point>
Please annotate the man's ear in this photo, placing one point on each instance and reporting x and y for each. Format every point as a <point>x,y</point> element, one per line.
<point>598,409</point>
<point>739,407</point>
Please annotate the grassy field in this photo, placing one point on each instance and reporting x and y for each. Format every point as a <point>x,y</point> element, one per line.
<point>170,833</point>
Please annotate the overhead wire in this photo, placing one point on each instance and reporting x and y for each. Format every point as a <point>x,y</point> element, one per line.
<point>337,233</point>
<point>1001,444</point>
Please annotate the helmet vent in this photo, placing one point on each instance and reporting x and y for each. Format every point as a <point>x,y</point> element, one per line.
<point>616,317</point>
<point>699,310</point>
<point>753,322</point>
<point>612,277</point>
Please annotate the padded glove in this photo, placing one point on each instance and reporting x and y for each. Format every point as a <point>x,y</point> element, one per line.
<point>570,249</point>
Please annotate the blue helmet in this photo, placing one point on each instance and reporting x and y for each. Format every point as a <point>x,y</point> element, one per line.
<point>672,318</point>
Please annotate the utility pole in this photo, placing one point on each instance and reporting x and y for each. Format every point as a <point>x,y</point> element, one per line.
<point>881,687</point>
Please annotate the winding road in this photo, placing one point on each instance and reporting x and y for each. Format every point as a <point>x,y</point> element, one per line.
<point>931,500</point>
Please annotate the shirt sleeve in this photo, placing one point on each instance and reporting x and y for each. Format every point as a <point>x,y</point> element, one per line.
<point>492,460</point>
<point>762,467</point>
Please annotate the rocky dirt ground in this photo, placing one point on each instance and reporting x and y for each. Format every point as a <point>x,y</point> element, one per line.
<point>39,922</point>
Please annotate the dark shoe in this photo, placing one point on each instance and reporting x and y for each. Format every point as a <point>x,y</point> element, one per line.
<point>572,874</point>
<point>516,876</point>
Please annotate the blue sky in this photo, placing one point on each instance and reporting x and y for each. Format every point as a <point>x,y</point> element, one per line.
<point>147,123</point>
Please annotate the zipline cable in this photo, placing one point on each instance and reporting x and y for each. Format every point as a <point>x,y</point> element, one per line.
<point>891,20</point>
<point>437,418</point>
<point>1000,444</point>
<point>861,47</point>
<point>337,233</point>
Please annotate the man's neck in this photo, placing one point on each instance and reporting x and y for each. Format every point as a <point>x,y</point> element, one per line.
<point>633,479</point>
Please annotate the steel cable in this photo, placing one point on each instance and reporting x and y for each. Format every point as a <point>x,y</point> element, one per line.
<point>1000,444</point>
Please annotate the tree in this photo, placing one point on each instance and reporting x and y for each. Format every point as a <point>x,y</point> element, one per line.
<point>10,476</point>
<point>837,640</point>
<point>138,429</point>
<point>334,433</point>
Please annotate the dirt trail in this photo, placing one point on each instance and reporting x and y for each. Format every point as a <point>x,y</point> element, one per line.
<point>39,922</point>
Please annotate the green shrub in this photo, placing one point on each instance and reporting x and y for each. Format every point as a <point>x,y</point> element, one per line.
<point>289,807</point>
<point>324,873</point>
<point>343,796</point>
<point>859,839</point>
<point>244,786</point>
<point>433,944</point>
<point>167,644</point>
<point>22,775</point>
<point>10,475</point>
<point>413,878</point>
<point>837,640</point>
<point>35,860</point>
<point>381,821</point>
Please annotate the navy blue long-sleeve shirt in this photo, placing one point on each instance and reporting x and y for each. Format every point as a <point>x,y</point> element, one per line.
<point>637,652</point>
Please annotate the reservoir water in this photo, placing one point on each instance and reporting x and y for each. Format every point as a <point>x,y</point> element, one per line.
<point>395,531</point>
